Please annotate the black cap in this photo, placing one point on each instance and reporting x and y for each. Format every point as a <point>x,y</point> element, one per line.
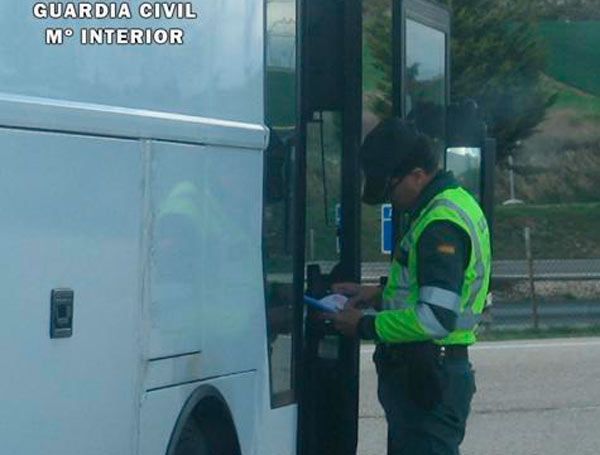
<point>393,148</point>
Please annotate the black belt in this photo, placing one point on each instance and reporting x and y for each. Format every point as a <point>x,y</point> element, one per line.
<point>458,351</point>
<point>403,351</point>
<point>420,366</point>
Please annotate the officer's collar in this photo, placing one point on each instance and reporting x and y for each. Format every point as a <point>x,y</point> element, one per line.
<point>442,181</point>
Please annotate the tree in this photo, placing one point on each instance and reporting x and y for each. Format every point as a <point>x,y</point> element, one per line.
<point>575,10</point>
<point>378,34</point>
<point>497,60</point>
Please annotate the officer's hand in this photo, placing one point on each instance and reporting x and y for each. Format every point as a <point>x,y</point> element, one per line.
<point>346,321</point>
<point>367,297</point>
<point>347,289</point>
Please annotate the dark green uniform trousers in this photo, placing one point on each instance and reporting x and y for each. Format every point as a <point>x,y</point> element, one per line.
<point>421,422</point>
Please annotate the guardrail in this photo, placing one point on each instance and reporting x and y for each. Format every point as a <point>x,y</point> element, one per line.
<point>548,269</point>
<point>551,313</point>
<point>507,270</point>
<point>525,311</point>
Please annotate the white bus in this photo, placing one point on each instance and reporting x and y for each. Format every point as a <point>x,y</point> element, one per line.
<point>153,249</point>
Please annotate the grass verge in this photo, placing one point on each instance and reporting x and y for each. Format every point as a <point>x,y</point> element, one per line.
<point>566,231</point>
<point>542,333</point>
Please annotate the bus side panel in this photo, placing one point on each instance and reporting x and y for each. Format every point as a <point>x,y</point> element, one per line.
<point>161,409</point>
<point>279,435</point>
<point>206,292</point>
<point>207,311</point>
<point>216,72</point>
<point>71,209</point>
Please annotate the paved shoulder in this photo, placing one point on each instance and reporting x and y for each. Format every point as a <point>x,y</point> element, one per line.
<point>534,396</point>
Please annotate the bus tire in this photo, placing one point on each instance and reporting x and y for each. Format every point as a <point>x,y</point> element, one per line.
<point>207,434</point>
<point>193,440</point>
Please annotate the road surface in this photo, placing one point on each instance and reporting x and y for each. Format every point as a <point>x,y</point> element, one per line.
<point>534,397</point>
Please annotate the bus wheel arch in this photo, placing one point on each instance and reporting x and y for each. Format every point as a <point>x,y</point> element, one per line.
<point>205,426</point>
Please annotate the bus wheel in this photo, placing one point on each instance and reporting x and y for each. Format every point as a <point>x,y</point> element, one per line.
<point>208,430</point>
<point>193,440</point>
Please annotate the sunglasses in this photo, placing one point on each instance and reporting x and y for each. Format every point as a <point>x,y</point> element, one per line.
<point>393,182</point>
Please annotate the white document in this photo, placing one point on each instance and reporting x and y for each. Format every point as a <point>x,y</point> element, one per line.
<point>331,303</point>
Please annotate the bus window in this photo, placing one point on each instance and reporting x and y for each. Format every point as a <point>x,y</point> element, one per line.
<point>279,197</point>
<point>377,105</point>
<point>425,77</point>
<point>465,163</point>
<point>323,185</point>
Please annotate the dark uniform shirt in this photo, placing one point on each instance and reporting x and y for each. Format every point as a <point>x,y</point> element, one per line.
<point>444,250</point>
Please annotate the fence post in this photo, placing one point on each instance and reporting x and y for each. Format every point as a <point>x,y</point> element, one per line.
<point>529,255</point>
<point>511,177</point>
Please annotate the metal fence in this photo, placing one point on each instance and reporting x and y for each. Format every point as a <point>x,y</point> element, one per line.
<point>560,292</point>
<point>515,270</point>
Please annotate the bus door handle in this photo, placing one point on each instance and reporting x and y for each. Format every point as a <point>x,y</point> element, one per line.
<point>61,313</point>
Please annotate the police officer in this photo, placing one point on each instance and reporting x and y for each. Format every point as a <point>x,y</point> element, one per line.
<point>435,293</point>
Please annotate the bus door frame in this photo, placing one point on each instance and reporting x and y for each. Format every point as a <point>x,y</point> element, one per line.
<point>341,436</point>
<point>434,15</point>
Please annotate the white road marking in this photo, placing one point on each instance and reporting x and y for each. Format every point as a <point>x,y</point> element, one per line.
<point>534,345</point>
<point>557,343</point>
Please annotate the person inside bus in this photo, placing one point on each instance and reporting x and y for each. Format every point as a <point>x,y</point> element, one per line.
<point>434,296</point>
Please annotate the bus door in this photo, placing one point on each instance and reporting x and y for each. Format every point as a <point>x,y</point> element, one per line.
<point>420,73</point>
<point>470,154</point>
<point>330,114</point>
<point>421,87</point>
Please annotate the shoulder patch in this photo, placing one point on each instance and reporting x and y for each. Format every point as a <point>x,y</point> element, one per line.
<point>446,248</point>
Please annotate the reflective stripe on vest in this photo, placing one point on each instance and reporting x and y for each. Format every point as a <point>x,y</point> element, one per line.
<point>440,297</point>
<point>430,323</point>
<point>475,241</point>
<point>467,317</point>
<point>397,300</point>
<point>469,304</point>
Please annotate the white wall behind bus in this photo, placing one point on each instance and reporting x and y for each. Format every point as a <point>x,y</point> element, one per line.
<point>215,74</point>
<point>71,218</point>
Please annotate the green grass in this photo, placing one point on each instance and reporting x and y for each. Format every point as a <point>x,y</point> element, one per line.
<point>586,106</point>
<point>565,231</point>
<point>570,99</point>
<point>558,231</point>
<point>531,334</point>
<point>574,53</point>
